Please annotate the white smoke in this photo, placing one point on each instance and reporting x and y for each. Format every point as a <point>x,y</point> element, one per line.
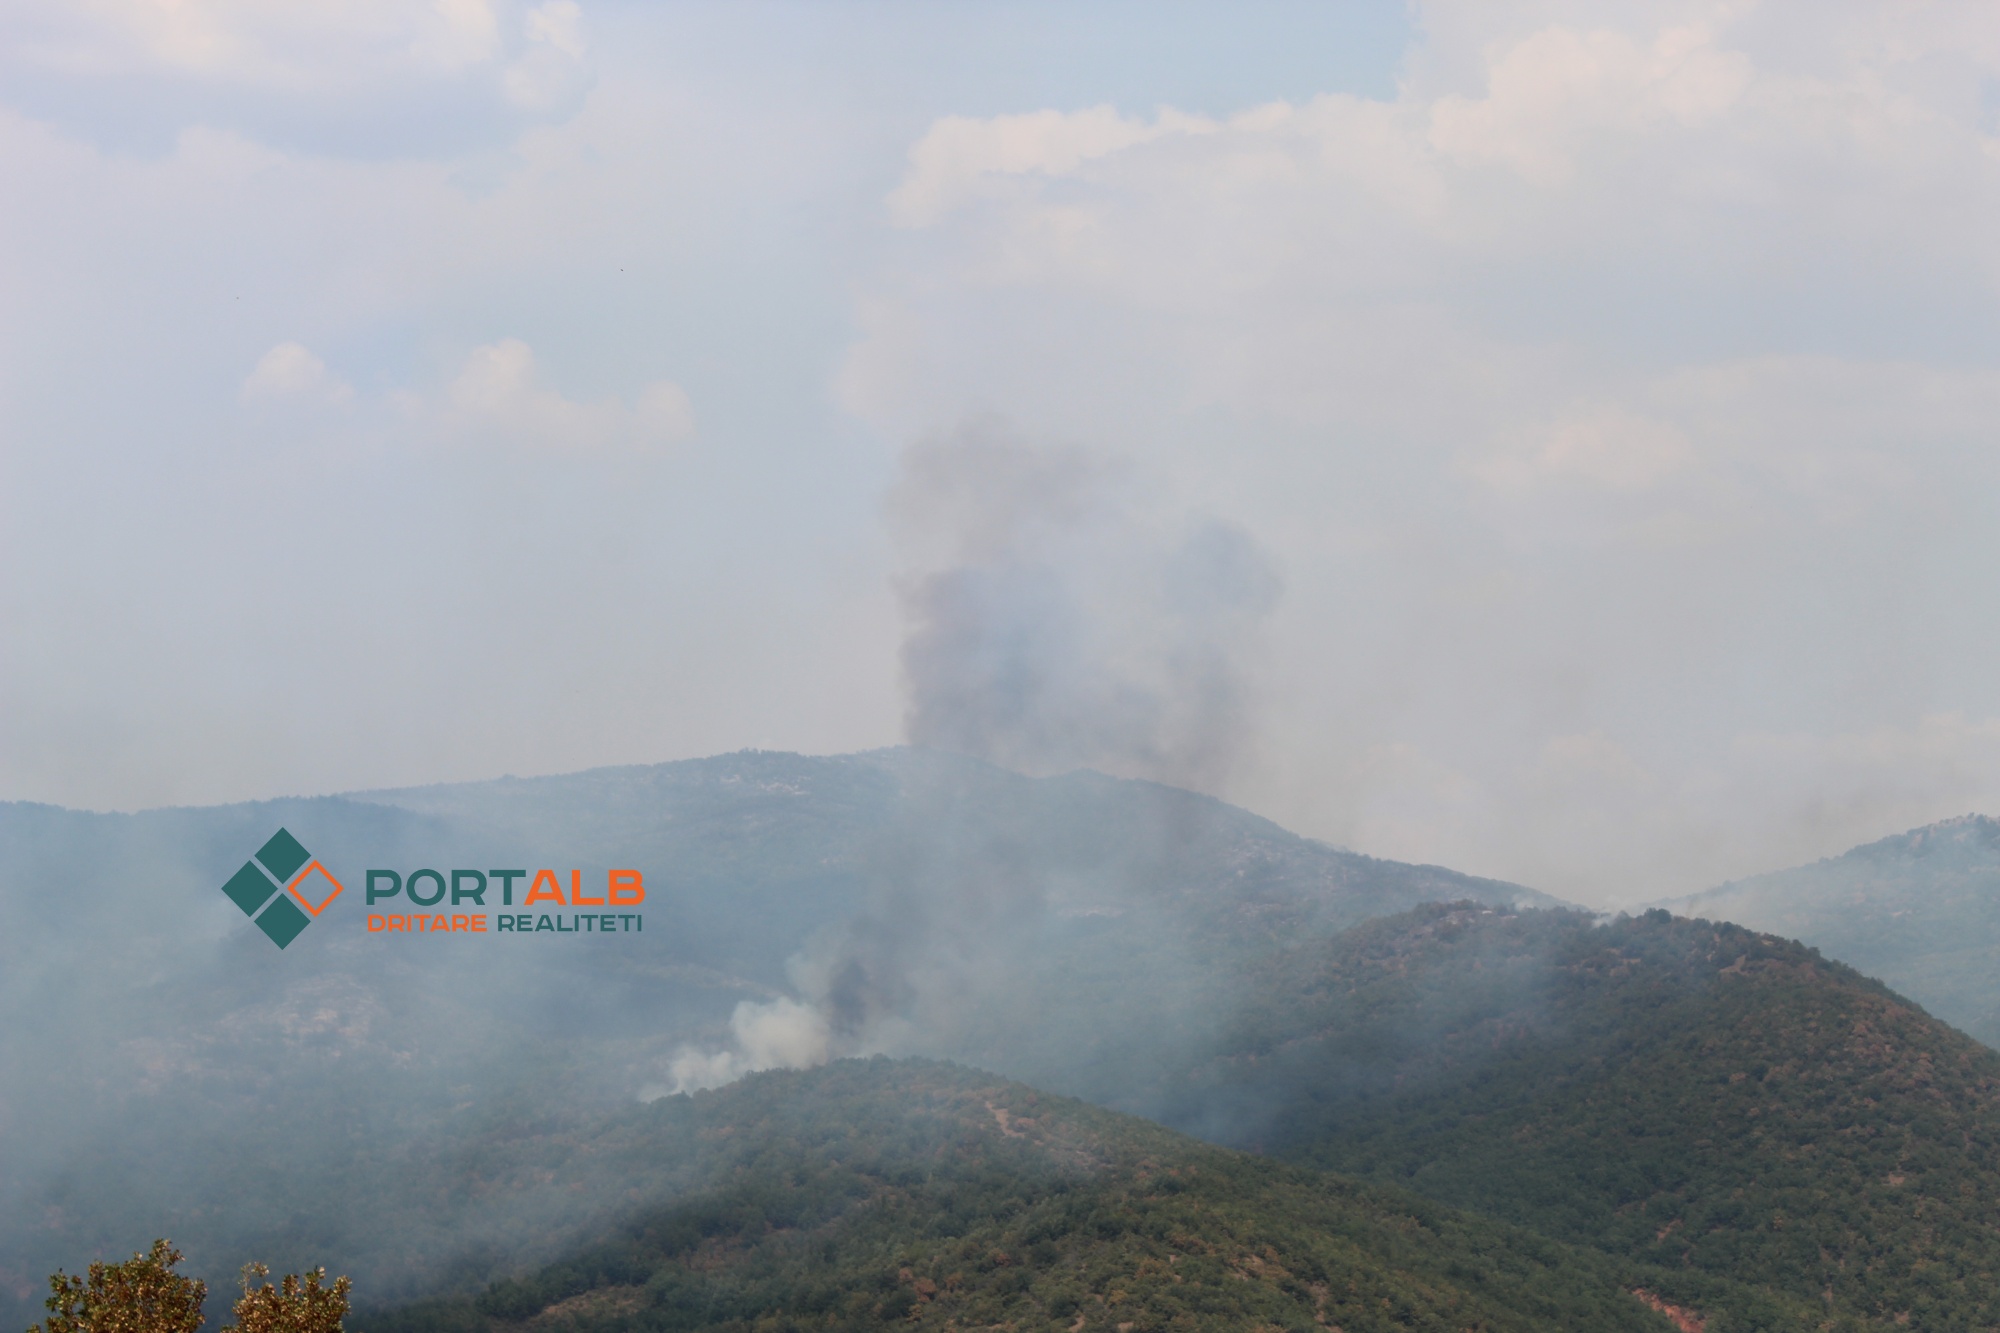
<point>1059,615</point>
<point>773,1034</point>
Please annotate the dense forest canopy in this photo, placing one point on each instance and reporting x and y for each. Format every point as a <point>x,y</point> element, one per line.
<point>877,1192</point>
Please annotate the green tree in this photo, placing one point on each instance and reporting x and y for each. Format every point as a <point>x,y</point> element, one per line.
<point>296,1306</point>
<point>142,1295</point>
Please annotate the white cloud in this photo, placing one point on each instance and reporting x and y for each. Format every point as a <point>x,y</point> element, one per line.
<point>295,44</point>
<point>558,24</point>
<point>553,68</point>
<point>960,157</point>
<point>1602,446</point>
<point>289,371</point>
<point>1668,148</point>
<point>399,78</point>
<point>663,411</point>
<point>1550,95</point>
<point>498,395</point>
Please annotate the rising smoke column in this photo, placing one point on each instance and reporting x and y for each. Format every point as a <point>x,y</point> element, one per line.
<point>1058,615</point>
<point>1056,618</point>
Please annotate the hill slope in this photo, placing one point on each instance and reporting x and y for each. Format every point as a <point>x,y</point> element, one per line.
<point>1077,932</point>
<point>1920,910</point>
<point>1674,1092</point>
<point>738,837</point>
<point>870,1193</point>
<point>194,1080</point>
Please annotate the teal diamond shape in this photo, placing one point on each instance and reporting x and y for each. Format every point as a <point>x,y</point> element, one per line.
<point>248,888</point>
<point>283,856</point>
<point>283,920</point>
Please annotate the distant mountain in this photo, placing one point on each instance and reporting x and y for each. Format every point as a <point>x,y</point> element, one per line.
<point>1075,932</point>
<point>1920,910</point>
<point>873,1194</point>
<point>1673,1092</point>
<point>165,1070</point>
<point>740,838</point>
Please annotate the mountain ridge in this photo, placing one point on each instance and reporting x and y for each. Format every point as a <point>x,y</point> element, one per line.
<point>1673,1091</point>
<point>1919,909</point>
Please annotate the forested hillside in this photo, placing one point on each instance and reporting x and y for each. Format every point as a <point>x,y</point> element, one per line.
<point>1677,1092</point>
<point>1920,910</point>
<point>194,1081</point>
<point>873,1193</point>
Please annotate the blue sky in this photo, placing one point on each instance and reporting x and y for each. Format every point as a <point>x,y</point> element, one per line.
<point>1603,394</point>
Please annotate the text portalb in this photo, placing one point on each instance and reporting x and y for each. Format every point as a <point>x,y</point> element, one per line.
<point>427,887</point>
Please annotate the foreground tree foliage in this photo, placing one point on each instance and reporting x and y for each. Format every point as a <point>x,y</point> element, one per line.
<point>142,1295</point>
<point>296,1305</point>
<point>145,1295</point>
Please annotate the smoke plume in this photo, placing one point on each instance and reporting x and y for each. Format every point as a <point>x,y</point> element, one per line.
<point>1056,618</point>
<point>773,1034</point>
<point>1059,615</point>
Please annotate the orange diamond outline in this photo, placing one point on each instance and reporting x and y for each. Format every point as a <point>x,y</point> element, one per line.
<point>303,902</point>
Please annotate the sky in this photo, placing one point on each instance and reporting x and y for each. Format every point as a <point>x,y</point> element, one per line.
<point>1556,441</point>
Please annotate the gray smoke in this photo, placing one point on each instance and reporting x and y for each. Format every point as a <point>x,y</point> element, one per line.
<point>1059,616</point>
<point>954,902</point>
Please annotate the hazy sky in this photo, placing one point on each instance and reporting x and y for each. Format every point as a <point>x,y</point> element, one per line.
<point>1606,398</point>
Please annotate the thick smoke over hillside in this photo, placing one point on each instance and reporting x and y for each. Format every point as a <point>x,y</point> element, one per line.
<point>1055,619</point>
<point>1058,617</point>
<point>955,905</point>
<point>767,1034</point>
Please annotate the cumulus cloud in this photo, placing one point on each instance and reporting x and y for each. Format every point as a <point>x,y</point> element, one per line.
<point>1553,95</point>
<point>310,65</point>
<point>291,372</point>
<point>960,157</point>
<point>499,395</point>
<point>294,45</point>
<point>553,67</point>
<point>1671,143</point>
